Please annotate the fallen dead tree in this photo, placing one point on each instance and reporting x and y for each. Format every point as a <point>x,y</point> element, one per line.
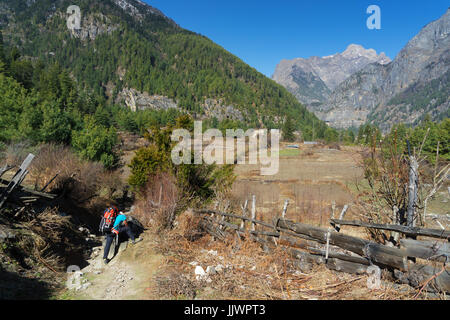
<point>428,250</point>
<point>6,233</point>
<point>16,179</point>
<point>340,256</point>
<point>12,190</point>
<point>431,278</point>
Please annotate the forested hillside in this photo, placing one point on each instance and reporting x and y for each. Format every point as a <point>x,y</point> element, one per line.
<point>127,44</point>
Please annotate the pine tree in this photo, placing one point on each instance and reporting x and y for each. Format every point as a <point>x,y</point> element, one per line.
<point>288,129</point>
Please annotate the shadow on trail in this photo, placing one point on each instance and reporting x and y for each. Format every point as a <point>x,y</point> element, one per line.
<point>13,286</point>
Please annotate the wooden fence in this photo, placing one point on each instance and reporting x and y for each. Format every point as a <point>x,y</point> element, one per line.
<point>311,244</point>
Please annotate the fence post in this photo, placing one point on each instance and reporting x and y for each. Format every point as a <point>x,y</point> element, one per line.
<point>216,205</point>
<point>396,220</point>
<point>286,203</point>
<point>333,208</point>
<point>327,248</point>
<point>328,244</point>
<point>253,212</point>
<point>222,220</point>
<point>215,208</point>
<point>244,213</point>
<point>17,178</point>
<point>341,217</point>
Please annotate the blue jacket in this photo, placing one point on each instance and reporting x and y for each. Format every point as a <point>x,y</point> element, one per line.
<point>119,219</point>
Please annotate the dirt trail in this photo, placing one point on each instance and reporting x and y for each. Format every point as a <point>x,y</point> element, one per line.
<point>128,276</point>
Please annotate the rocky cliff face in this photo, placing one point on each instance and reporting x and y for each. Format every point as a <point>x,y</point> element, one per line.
<point>312,80</point>
<point>138,9</point>
<point>213,108</point>
<point>373,92</point>
<point>136,100</point>
<point>93,26</point>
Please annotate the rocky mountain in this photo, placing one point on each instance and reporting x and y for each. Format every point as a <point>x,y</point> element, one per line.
<point>131,54</point>
<point>414,84</point>
<point>312,80</point>
<point>140,9</point>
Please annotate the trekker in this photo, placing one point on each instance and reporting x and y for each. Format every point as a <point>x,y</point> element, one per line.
<point>120,225</point>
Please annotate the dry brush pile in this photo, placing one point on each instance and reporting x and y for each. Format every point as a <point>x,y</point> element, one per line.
<point>241,269</point>
<point>80,180</point>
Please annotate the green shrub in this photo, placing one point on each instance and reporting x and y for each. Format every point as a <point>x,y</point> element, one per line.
<point>96,142</point>
<point>200,182</point>
<point>145,164</point>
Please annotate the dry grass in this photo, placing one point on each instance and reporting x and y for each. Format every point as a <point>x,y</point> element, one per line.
<point>250,273</point>
<point>36,260</point>
<point>175,286</point>
<point>311,182</point>
<point>158,203</point>
<point>60,170</point>
<point>15,153</point>
<point>80,180</point>
<point>49,237</point>
<point>188,226</point>
<point>52,160</point>
<point>130,142</point>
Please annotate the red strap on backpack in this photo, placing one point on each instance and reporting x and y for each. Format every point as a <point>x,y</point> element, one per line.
<point>110,214</point>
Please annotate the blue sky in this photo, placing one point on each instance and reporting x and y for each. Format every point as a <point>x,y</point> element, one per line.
<point>262,33</point>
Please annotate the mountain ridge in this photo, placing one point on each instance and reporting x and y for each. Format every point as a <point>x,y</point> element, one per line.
<point>424,58</point>
<point>403,90</point>
<point>324,73</point>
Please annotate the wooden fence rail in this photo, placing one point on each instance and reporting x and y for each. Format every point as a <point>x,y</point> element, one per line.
<point>230,215</point>
<point>409,231</point>
<point>377,253</point>
<point>291,236</point>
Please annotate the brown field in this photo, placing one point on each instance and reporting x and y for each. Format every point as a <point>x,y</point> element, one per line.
<point>310,180</point>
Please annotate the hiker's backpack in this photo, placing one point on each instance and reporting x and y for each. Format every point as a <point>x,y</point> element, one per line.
<point>108,219</point>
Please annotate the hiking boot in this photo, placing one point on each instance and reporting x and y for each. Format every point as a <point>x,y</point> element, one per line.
<point>105,261</point>
<point>136,240</point>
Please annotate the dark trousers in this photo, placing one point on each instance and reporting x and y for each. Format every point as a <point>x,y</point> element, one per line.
<point>110,237</point>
